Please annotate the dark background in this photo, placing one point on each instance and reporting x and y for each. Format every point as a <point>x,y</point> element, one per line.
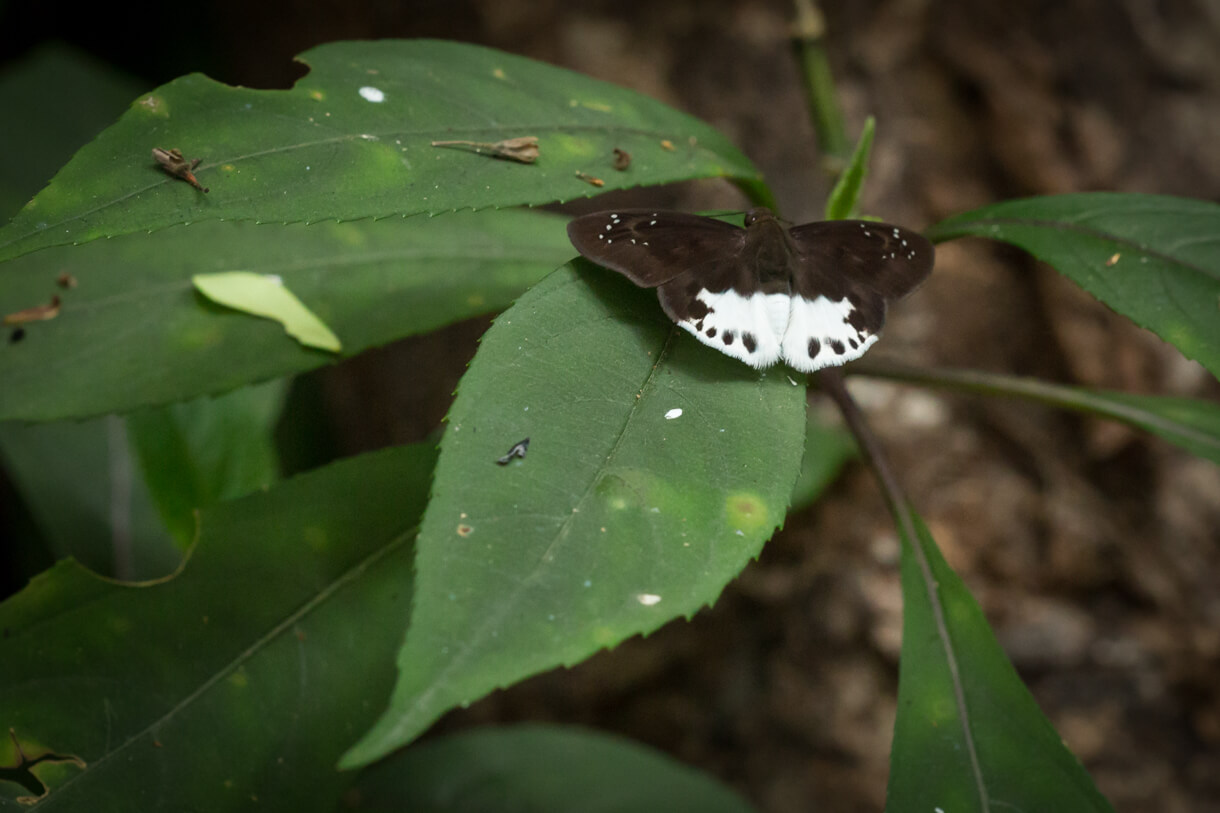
<point>1094,550</point>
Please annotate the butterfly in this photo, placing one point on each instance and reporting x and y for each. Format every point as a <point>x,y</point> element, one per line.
<point>812,296</point>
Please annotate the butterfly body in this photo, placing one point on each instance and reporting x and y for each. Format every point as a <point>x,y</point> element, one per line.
<point>812,296</point>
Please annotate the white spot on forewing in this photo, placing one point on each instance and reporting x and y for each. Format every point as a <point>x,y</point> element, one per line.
<point>763,316</point>
<point>648,599</point>
<point>673,413</point>
<point>372,94</point>
<point>825,320</point>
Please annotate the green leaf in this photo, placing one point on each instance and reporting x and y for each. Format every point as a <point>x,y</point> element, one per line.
<point>1154,259</point>
<point>195,454</point>
<point>56,99</point>
<point>969,736</point>
<point>86,496</point>
<point>236,683</point>
<point>656,469</point>
<point>354,138</point>
<point>843,198</point>
<point>1189,423</point>
<point>266,295</point>
<point>134,332</point>
<point>538,768</point>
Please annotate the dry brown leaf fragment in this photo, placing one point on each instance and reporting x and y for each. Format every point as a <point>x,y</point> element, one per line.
<point>38,313</point>
<point>589,179</point>
<point>174,164</point>
<point>622,159</point>
<point>523,150</point>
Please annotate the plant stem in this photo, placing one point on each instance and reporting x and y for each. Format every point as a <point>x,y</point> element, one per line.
<point>809,31</point>
<point>830,381</point>
<point>1076,399</point>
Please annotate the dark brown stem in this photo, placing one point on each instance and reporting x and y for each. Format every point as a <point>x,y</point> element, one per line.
<point>831,382</point>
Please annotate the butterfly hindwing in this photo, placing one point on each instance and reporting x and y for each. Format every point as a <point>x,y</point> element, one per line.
<point>746,326</point>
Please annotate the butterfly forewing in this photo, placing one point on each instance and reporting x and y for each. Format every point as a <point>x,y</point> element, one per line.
<point>814,296</point>
<point>696,264</point>
<point>652,247</point>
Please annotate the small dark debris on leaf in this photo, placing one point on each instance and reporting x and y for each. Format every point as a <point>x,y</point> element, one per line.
<point>523,150</point>
<point>666,144</point>
<point>65,281</point>
<point>519,449</point>
<point>174,164</point>
<point>589,179</point>
<point>16,336</point>
<point>38,313</point>
<point>622,159</point>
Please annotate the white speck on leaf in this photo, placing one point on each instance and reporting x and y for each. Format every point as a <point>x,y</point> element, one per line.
<point>372,94</point>
<point>673,413</point>
<point>648,599</point>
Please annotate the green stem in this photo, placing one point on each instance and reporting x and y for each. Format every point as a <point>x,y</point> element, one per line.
<point>1057,395</point>
<point>809,31</point>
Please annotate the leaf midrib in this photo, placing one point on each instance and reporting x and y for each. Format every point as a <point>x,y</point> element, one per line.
<point>522,587</point>
<point>425,133</point>
<point>344,579</point>
<point>967,227</point>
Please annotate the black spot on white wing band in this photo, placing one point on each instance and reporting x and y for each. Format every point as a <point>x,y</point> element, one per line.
<point>761,329</point>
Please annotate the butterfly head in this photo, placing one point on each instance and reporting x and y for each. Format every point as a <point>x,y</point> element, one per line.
<point>758,214</point>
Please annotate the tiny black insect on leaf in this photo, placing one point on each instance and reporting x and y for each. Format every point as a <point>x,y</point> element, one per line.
<point>519,449</point>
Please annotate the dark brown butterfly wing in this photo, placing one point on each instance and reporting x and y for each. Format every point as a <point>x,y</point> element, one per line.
<point>698,267</point>
<point>844,275</point>
<point>826,306</point>
<point>653,247</point>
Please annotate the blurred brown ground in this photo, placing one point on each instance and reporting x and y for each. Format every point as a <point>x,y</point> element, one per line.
<point>1094,550</point>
